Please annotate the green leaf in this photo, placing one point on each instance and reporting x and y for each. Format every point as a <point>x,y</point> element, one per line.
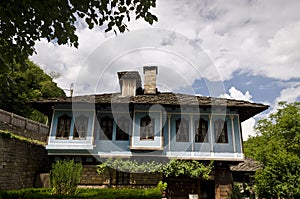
<point>26,23</point>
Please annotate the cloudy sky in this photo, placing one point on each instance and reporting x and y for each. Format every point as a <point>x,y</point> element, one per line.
<point>240,49</point>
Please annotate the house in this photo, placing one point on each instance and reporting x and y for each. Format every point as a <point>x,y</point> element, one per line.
<point>141,122</point>
<point>243,175</point>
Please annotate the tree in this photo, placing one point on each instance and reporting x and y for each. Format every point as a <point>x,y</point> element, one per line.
<point>24,22</point>
<point>18,87</point>
<point>277,147</point>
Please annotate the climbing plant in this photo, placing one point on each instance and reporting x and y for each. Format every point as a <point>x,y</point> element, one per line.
<point>191,168</point>
<point>174,167</point>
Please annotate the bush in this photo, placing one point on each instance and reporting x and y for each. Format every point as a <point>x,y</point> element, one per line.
<point>29,193</point>
<point>153,193</point>
<point>235,193</point>
<point>64,177</point>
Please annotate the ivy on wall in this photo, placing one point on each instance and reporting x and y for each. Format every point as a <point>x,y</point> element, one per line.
<point>174,167</point>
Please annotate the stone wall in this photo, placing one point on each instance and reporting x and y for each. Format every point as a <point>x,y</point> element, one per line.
<point>20,163</point>
<point>90,177</point>
<point>23,126</point>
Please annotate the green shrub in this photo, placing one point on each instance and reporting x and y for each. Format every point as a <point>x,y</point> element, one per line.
<point>162,186</point>
<point>28,193</point>
<point>64,177</point>
<point>235,193</point>
<point>110,193</point>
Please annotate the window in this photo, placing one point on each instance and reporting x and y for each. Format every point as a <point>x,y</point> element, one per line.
<point>63,126</point>
<point>123,129</point>
<point>182,130</point>
<point>201,131</point>
<point>122,177</point>
<point>147,128</point>
<point>221,131</point>
<point>80,127</point>
<point>106,125</point>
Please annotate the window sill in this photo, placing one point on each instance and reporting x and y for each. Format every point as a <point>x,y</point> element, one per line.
<point>144,139</point>
<point>61,138</point>
<point>146,148</point>
<point>79,138</point>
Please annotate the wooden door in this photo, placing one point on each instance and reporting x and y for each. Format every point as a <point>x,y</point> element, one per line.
<point>181,187</point>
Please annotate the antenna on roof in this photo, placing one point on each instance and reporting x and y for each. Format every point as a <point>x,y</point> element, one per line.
<point>71,89</point>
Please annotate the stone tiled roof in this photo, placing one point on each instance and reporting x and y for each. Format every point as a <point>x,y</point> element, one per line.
<point>244,108</point>
<point>248,165</point>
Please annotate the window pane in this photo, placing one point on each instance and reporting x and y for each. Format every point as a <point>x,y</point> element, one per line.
<point>63,126</point>
<point>122,129</point>
<point>147,128</point>
<point>182,130</point>
<point>81,127</point>
<point>221,135</point>
<point>201,131</point>
<point>106,128</point>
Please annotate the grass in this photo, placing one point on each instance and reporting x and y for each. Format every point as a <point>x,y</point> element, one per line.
<point>7,134</point>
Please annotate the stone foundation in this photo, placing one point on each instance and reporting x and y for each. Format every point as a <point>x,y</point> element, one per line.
<point>90,177</point>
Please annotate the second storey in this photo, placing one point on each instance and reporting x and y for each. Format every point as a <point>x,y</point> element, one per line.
<point>147,130</point>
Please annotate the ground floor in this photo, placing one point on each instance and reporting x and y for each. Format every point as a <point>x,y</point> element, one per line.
<point>218,186</point>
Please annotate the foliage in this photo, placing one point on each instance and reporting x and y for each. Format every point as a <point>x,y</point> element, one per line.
<point>24,22</point>
<point>20,86</point>
<point>277,147</point>
<point>235,193</point>
<point>84,193</point>
<point>174,167</point>
<point>129,165</point>
<point>162,186</point>
<point>191,168</point>
<point>64,177</point>
<point>9,135</point>
<point>280,176</point>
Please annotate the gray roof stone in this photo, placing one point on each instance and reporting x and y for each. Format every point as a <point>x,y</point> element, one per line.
<point>245,109</point>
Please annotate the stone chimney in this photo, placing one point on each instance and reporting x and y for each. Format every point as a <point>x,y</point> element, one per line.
<point>129,82</point>
<point>150,73</point>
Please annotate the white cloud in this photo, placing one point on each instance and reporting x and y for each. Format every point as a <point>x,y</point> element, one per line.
<point>289,95</point>
<point>64,59</point>
<point>257,37</point>
<point>237,94</point>
<point>254,37</point>
<point>248,128</point>
<point>94,66</point>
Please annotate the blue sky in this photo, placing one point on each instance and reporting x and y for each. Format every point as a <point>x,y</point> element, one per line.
<point>239,49</point>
